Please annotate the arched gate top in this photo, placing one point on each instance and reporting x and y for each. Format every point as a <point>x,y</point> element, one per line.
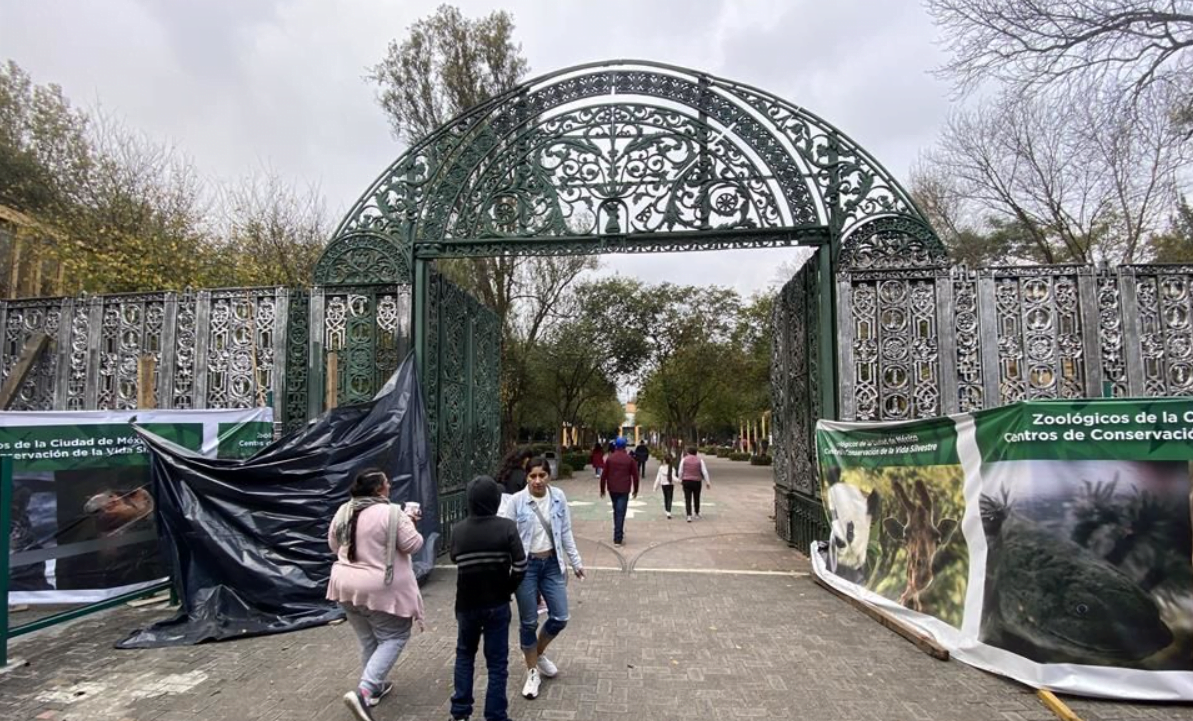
<point>630,156</point>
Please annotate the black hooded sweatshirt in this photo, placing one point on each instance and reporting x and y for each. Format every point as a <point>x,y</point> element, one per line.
<point>487,550</point>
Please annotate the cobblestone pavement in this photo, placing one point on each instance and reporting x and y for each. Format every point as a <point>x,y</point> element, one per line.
<point>715,619</point>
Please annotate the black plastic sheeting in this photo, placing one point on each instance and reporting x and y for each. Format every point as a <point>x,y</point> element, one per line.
<point>248,539</point>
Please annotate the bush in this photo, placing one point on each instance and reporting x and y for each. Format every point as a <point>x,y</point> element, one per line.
<point>739,456</point>
<point>565,471</point>
<point>576,460</point>
<point>760,461</point>
<point>723,452</point>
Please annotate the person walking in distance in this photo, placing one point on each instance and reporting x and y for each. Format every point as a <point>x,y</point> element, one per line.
<point>373,580</point>
<point>490,564</point>
<point>666,478</point>
<point>642,455</point>
<point>620,477</point>
<point>597,459</point>
<point>545,526</point>
<point>693,473</point>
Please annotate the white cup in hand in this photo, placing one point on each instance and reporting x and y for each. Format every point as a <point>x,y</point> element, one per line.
<point>414,510</point>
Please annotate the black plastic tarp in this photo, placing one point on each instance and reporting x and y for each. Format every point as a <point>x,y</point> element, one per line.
<point>248,539</point>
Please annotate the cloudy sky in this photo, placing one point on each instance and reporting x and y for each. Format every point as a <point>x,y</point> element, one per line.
<point>241,83</point>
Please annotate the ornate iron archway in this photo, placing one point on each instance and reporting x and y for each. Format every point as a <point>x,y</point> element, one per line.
<point>626,157</point>
<point>631,156</point>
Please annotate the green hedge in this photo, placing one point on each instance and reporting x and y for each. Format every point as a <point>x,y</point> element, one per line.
<point>760,461</point>
<point>723,452</point>
<point>739,456</point>
<point>565,471</point>
<point>576,460</point>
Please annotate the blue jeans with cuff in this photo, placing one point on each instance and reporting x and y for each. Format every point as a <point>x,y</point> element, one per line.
<point>544,576</point>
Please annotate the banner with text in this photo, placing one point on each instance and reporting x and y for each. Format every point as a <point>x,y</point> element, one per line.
<point>82,508</point>
<point>1049,541</point>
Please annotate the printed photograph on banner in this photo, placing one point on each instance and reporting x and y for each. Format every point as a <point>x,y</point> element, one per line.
<point>1088,562</point>
<point>896,531</point>
<point>34,528</point>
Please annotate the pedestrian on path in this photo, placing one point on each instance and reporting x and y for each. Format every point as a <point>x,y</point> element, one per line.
<point>373,580</point>
<point>642,455</point>
<point>621,478</point>
<point>693,473</point>
<point>665,478</point>
<point>512,474</point>
<point>490,564</point>
<point>545,527</point>
<point>598,459</point>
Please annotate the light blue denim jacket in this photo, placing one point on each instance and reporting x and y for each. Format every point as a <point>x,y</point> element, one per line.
<point>518,510</point>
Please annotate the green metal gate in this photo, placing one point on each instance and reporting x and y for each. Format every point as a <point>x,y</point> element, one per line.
<point>463,371</point>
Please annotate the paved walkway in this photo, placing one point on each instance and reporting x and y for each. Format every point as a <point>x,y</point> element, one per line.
<point>715,619</point>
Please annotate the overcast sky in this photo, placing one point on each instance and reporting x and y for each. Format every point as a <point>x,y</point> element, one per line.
<point>241,83</point>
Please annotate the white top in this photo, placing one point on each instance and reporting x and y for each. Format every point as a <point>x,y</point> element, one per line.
<point>660,478</point>
<point>539,540</point>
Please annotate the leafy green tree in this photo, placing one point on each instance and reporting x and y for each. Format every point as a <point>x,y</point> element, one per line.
<point>444,65</point>
<point>1176,244</point>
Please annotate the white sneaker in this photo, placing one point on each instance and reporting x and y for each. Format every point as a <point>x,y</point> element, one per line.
<point>546,668</point>
<point>668,514</point>
<point>530,689</point>
<point>689,519</point>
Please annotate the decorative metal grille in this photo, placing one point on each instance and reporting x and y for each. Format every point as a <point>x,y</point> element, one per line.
<point>25,319</point>
<point>130,326</point>
<point>628,157</point>
<point>368,327</point>
<point>1039,334</point>
<point>185,351</point>
<point>298,355</point>
<point>792,396</point>
<point>1111,339</point>
<point>896,360</point>
<point>240,349</point>
<point>968,338</point>
<point>1164,297</point>
<point>463,378</point>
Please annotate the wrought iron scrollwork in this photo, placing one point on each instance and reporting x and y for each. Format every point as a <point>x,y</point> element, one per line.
<point>890,242</point>
<point>629,149</point>
<point>362,258</point>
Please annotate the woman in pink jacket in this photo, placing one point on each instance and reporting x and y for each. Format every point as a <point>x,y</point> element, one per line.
<point>373,580</point>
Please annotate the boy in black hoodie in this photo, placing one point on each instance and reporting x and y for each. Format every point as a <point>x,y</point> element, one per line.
<point>490,563</point>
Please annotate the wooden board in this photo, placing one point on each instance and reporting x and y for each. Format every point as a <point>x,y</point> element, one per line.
<point>16,377</point>
<point>1056,706</point>
<point>920,640</point>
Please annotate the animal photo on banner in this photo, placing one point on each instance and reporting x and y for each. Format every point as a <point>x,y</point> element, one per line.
<point>1089,562</point>
<point>896,531</point>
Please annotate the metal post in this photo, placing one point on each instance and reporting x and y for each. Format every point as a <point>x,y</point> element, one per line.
<point>5,528</point>
<point>421,286</point>
<point>827,289</point>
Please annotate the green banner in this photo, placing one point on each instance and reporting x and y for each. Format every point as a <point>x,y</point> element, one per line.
<point>1158,429</point>
<point>241,440</point>
<point>931,442</point>
<point>99,445</point>
<point>83,505</point>
<point>1057,532</point>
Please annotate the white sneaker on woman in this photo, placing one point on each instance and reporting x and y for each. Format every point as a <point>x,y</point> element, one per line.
<point>546,668</point>
<point>531,688</point>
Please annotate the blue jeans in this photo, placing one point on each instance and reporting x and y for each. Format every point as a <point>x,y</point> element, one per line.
<point>494,625</point>
<point>542,576</point>
<point>621,501</point>
<point>382,637</point>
